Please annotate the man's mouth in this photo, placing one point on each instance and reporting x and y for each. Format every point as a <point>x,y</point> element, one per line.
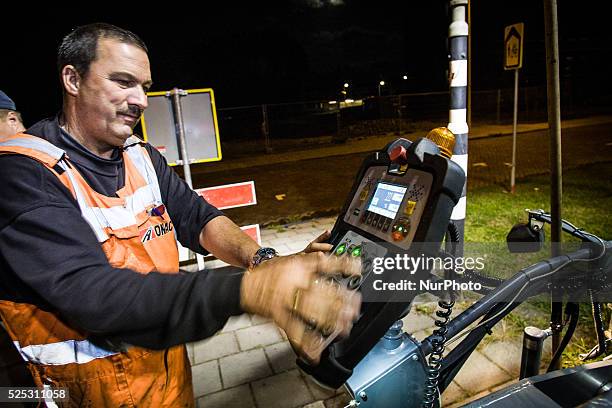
<point>131,118</point>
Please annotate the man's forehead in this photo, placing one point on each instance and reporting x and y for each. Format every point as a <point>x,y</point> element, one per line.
<point>122,55</point>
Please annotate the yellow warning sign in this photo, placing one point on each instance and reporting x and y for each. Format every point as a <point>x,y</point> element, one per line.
<point>513,46</point>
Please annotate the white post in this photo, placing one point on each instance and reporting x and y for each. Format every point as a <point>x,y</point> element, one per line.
<point>514,122</point>
<point>458,33</point>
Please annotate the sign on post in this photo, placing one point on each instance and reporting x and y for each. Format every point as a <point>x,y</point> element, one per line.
<point>230,195</point>
<point>513,46</point>
<point>199,117</point>
<point>513,60</point>
<point>225,197</point>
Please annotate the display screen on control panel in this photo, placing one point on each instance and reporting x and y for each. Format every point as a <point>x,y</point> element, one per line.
<point>387,199</point>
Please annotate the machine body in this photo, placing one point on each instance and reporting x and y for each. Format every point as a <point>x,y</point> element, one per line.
<point>400,203</point>
<point>391,374</point>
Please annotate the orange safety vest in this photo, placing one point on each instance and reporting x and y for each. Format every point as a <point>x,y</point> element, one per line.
<point>132,236</point>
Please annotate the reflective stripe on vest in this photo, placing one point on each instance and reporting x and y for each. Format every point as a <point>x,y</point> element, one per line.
<point>146,169</point>
<point>34,144</point>
<point>149,195</point>
<point>48,400</point>
<point>115,217</point>
<point>63,352</point>
<point>93,218</point>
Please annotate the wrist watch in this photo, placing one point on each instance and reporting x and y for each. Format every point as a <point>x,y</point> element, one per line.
<point>263,254</point>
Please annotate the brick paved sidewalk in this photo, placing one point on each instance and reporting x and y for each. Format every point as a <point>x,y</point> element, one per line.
<point>251,364</point>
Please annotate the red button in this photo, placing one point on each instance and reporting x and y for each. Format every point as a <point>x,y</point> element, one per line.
<point>398,155</point>
<point>397,236</point>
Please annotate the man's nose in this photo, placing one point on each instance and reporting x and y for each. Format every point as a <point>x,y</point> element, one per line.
<point>139,98</point>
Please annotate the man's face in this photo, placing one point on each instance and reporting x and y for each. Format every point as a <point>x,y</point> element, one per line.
<point>10,124</point>
<point>112,94</point>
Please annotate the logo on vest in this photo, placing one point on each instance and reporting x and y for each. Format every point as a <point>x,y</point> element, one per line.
<point>155,231</point>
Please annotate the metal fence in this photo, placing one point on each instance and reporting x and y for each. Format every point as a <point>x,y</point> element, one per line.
<point>279,127</point>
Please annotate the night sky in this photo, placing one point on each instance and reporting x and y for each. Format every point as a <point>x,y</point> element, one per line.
<point>297,50</point>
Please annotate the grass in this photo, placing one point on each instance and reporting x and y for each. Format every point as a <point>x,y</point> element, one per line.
<point>587,199</point>
<point>425,308</point>
<point>491,212</point>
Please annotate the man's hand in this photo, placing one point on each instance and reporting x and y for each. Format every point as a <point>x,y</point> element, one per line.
<point>297,293</point>
<point>318,244</point>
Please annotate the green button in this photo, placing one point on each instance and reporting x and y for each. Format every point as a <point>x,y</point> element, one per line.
<point>341,249</point>
<point>356,252</point>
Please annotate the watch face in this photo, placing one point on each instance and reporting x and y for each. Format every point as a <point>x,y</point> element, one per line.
<point>263,254</point>
<point>269,252</point>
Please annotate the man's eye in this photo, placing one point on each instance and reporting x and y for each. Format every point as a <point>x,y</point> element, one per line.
<point>124,83</point>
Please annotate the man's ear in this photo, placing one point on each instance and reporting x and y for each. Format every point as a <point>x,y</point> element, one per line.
<point>71,80</point>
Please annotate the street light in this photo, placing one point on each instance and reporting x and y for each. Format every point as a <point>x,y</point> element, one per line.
<point>380,84</point>
<point>344,90</point>
<point>405,77</point>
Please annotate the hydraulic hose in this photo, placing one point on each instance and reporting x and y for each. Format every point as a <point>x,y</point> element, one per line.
<point>489,281</point>
<point>572,310</point>
<point>507,292</point>
<point>599,329</point>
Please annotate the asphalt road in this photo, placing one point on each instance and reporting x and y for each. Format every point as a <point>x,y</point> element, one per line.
<point>320,186</point>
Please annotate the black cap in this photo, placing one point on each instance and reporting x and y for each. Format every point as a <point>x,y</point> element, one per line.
<point>6,102</point>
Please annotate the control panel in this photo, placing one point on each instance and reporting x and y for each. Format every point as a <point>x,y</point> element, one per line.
<point>390,206</point>
<point>400,203</point>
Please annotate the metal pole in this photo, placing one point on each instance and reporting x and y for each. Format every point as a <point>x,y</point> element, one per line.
<point>399,115</point>
<point>339,136</point>
<point>469,68</point>
<point>180,132</point>
<point>458,33</point>
<point>554,130</point>
<point>526,98</point>
<point>265,128</point>
<point>531,356</point>
<point>514,121</point>
<point>498,106</point>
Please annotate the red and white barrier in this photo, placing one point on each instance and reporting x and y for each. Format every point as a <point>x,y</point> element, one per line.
<point>224,197</point>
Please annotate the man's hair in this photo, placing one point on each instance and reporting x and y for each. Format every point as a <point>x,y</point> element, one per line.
<point>4,113</point>
<point>80,46</point>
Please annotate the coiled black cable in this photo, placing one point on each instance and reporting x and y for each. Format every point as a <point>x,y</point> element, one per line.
<point>452,237</point>
<point>439,335</point>
<point>437,351</point>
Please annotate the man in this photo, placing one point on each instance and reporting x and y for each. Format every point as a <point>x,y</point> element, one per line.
<point>10,119</point>
<point>90,290</point>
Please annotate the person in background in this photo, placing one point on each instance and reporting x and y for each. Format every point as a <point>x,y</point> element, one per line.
<point>13,370</point>
<point>10,118</point>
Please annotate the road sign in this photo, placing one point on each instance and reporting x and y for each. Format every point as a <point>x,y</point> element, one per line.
<point>513,46</point>
<point>199,118</point>
<point>253,232</point>
<point>230,195</point>
<point>224,197</point>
